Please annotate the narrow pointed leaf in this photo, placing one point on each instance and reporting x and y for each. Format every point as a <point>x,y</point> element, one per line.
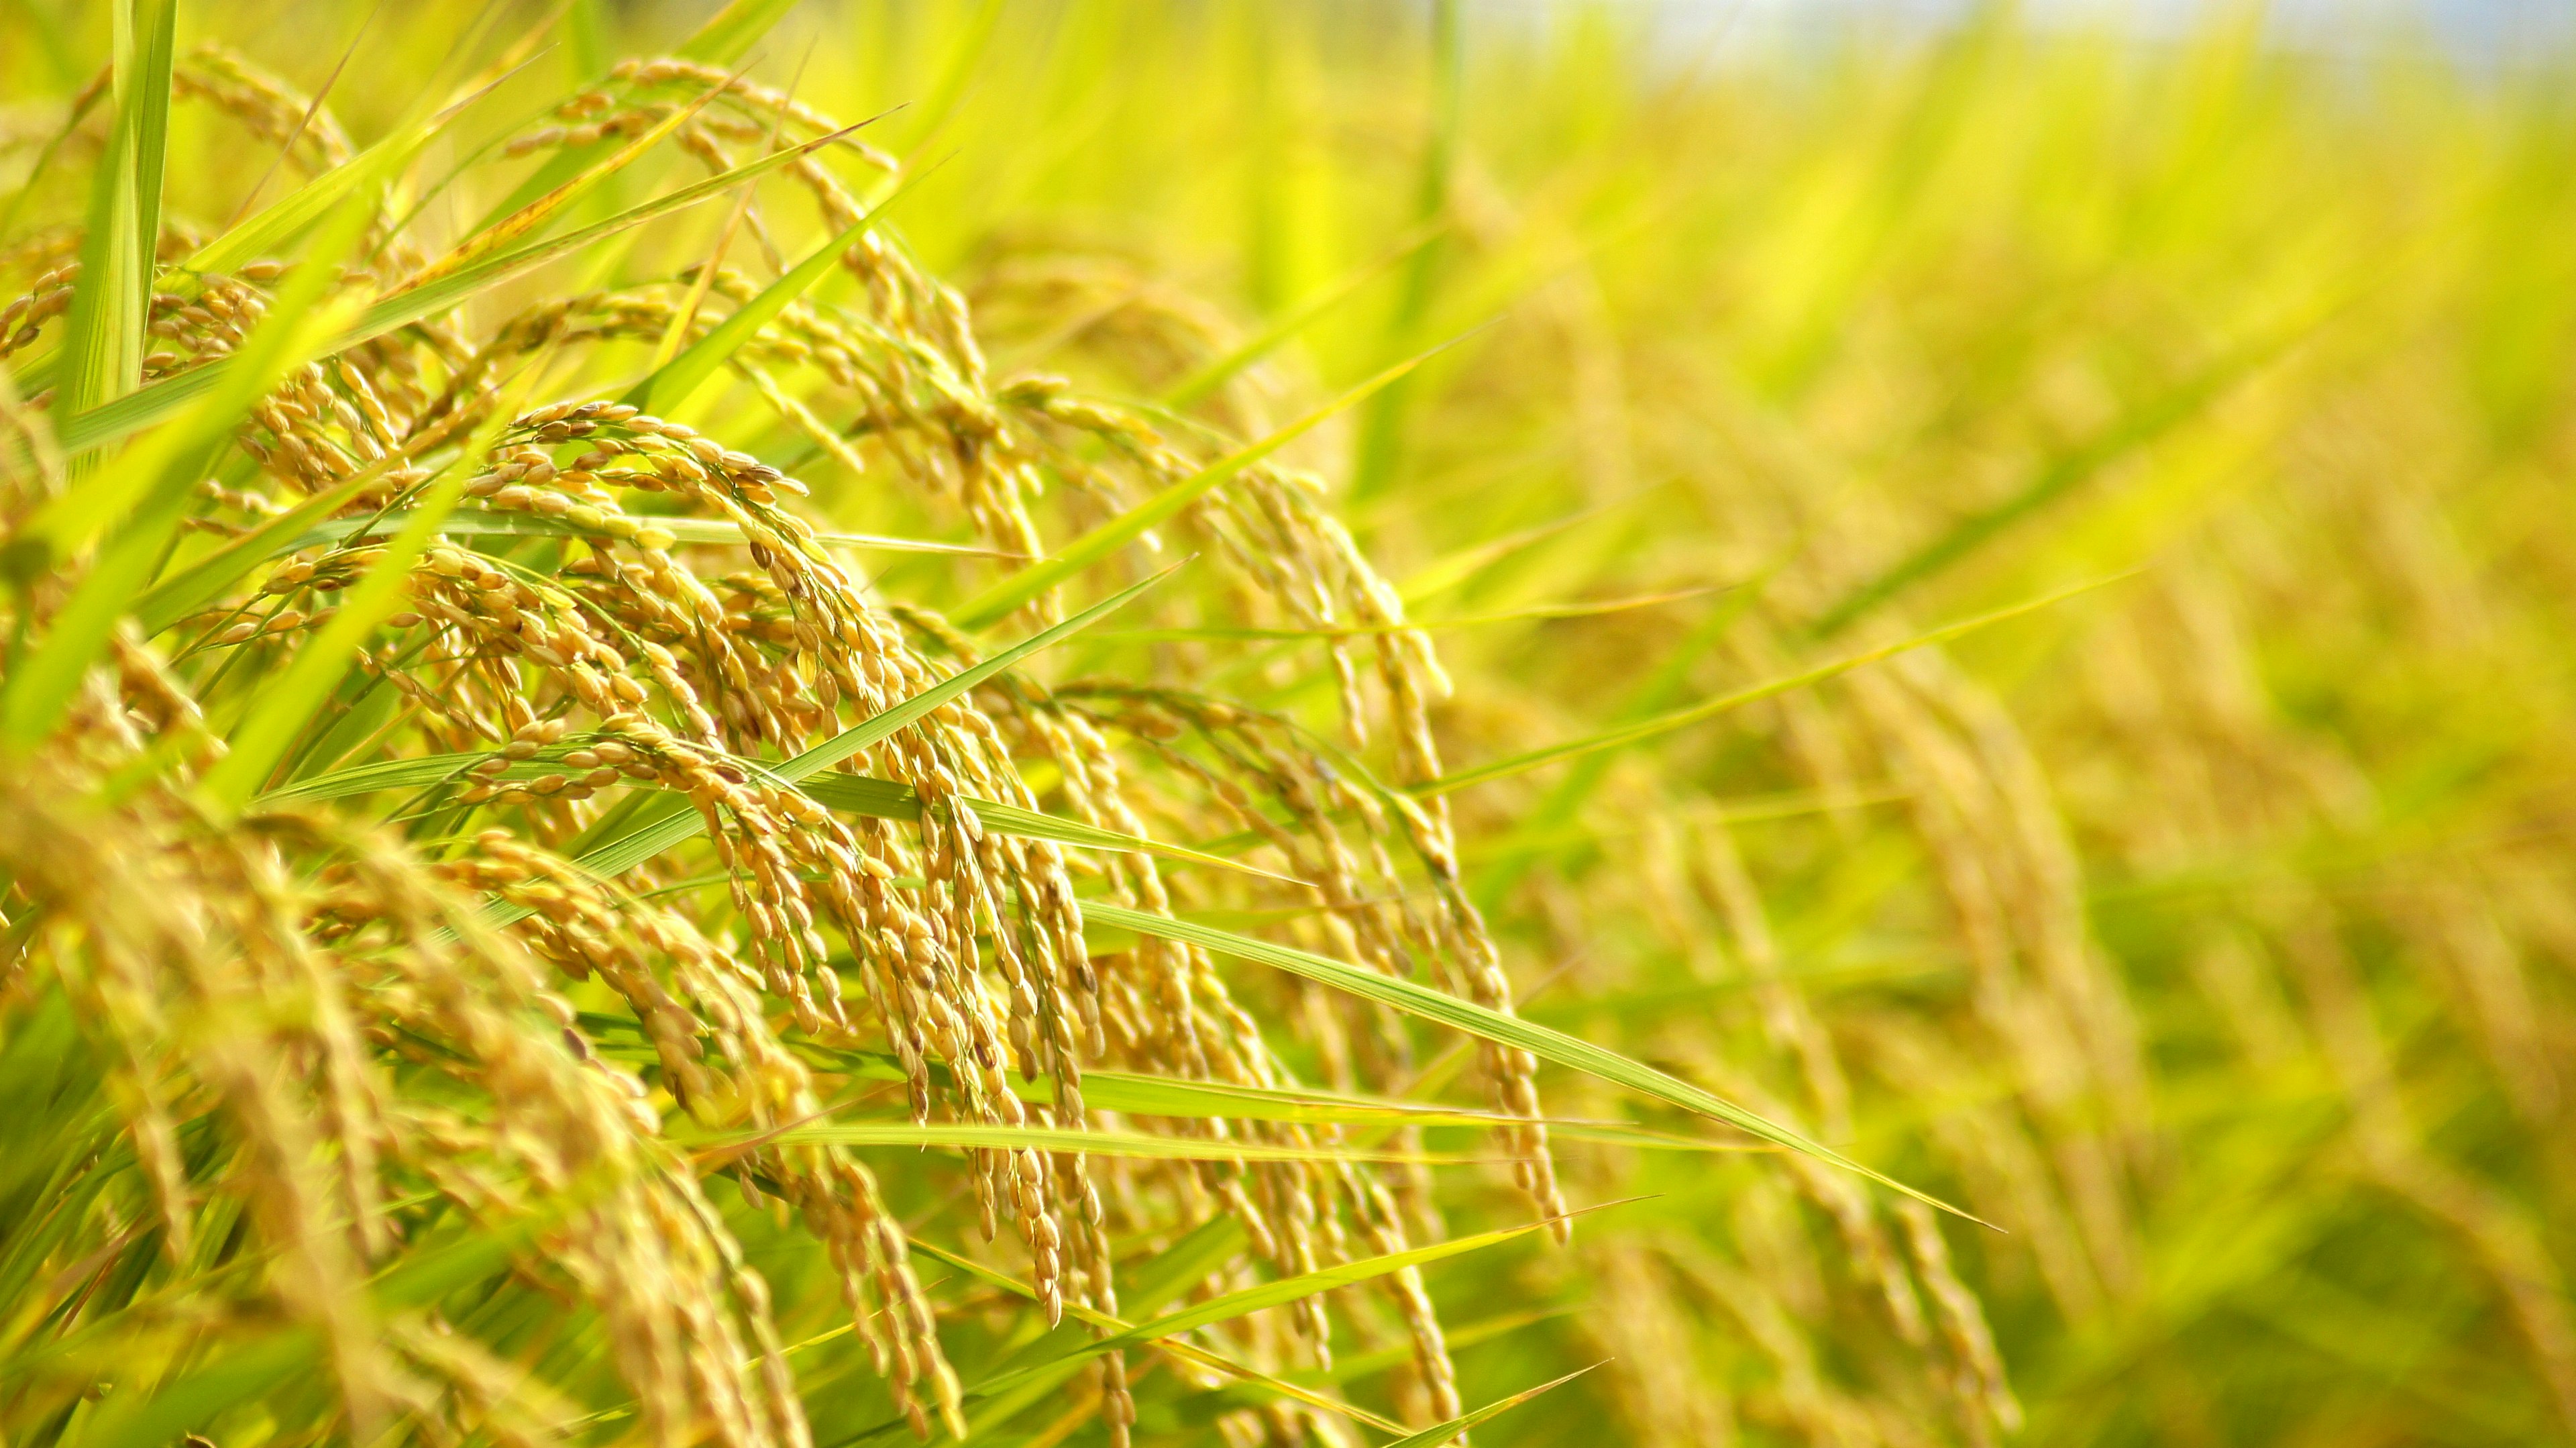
<point>674,382</point>
<point>1245,1302</point>
<point>202,582</point>
<point>122,418</point>
<point>1195,387</point>
<point>999,601</point>
<point>526,220</point>
<point>1228,1306</point>
<point>156,1417</point>
<point>1137,1094</point>
<point>1131,1144</point>
<point>1530,613</point>
<point>1104,1322</point>
<point>1440,1433</point>
<point>1676,719</point>
<point>274,226</point>
<point>624,853</point>
<point>1549,1045</point>
<point>103,342</point>
<point>716,531</point>
<point>730,33</point>
<point>286,708</point>
<point>1160,1278</point>
<point>855,793</point>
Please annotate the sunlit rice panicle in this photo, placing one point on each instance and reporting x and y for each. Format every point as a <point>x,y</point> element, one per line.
<point>521,697</point>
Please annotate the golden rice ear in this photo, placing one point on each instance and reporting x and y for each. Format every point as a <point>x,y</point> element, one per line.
<point>521,692</point>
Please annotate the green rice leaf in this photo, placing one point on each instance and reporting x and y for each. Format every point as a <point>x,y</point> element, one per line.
<point>860,794</point>
<point>203,581</point>
<point>1353,1367</point>
<point>127,415</point>
<point>103,341</point>
<point>730,33</point>
<point>1195,387</point>
<point>1005,597</point>
<point>158,1417</point>
<point>624,853</point>
<point>1228,1306</point>
<point>854,793</point>
<point>1131,1144</point>
<point>1382,427</point>
<point>716,531</point>
<point>1164,1275</point>
<point>672,384</point>
<point>1137,1094</point>
<point>1668,722</point>
<point>274,226</point>
<point>162,472</point>
<point>1250,1377</point>
<point>1548,1045</point>
<point>1449,1432</point>
<point>528,219</point>
<point>1530,613</point>
<point>286,708</point>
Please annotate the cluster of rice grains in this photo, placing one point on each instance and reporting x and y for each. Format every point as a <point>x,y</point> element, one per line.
<point>354,1035</point>
<point>1781,1296</point>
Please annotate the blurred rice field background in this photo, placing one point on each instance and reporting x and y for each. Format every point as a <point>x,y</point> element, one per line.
<point>2208,927</point>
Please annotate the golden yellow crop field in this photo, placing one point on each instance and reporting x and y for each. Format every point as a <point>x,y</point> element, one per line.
<point>813,723</point>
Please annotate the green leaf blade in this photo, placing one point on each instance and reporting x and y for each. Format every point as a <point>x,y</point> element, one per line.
<point>1549,1045</point>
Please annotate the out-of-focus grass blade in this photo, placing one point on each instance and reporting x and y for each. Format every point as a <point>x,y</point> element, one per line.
<point>1532,613</point>
<point>1131,1144</point>
<point>624,853</point>
<point>1228,1306</point>
<point>1164,1275</point>
<point>2062,474</point>
<point>203,581</point>
<point>151,1418</point>
<point>974,37</point>
<point>1196,387</point>
<point>1548,1045</point>
<point>285,708</point>
<point>44,161</point>
<point>103,338</point>
<point>274,226</point>
<point>682,530</point>
<point>1557,812</point>
<point>526,220</point>
<point>1008,595</point>
<point>1144,1095</point>
<point>1454,569</point>
<point>854,793</point>
<point>136,411</point>
<point>1666,723</point>
<point>1381,440</point>
<point>1179,1097</point>
<point>724,40</point>
<point>1448,1432</point>
<point>862,795</point>
<point>1355,1366</point>
<point>730,33</point>
<point>163,470</point>
<point>671,384</point>
<point>1104,1322</point>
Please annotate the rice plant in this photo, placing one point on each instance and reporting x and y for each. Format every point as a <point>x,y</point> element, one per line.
<point>1059,722</point>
